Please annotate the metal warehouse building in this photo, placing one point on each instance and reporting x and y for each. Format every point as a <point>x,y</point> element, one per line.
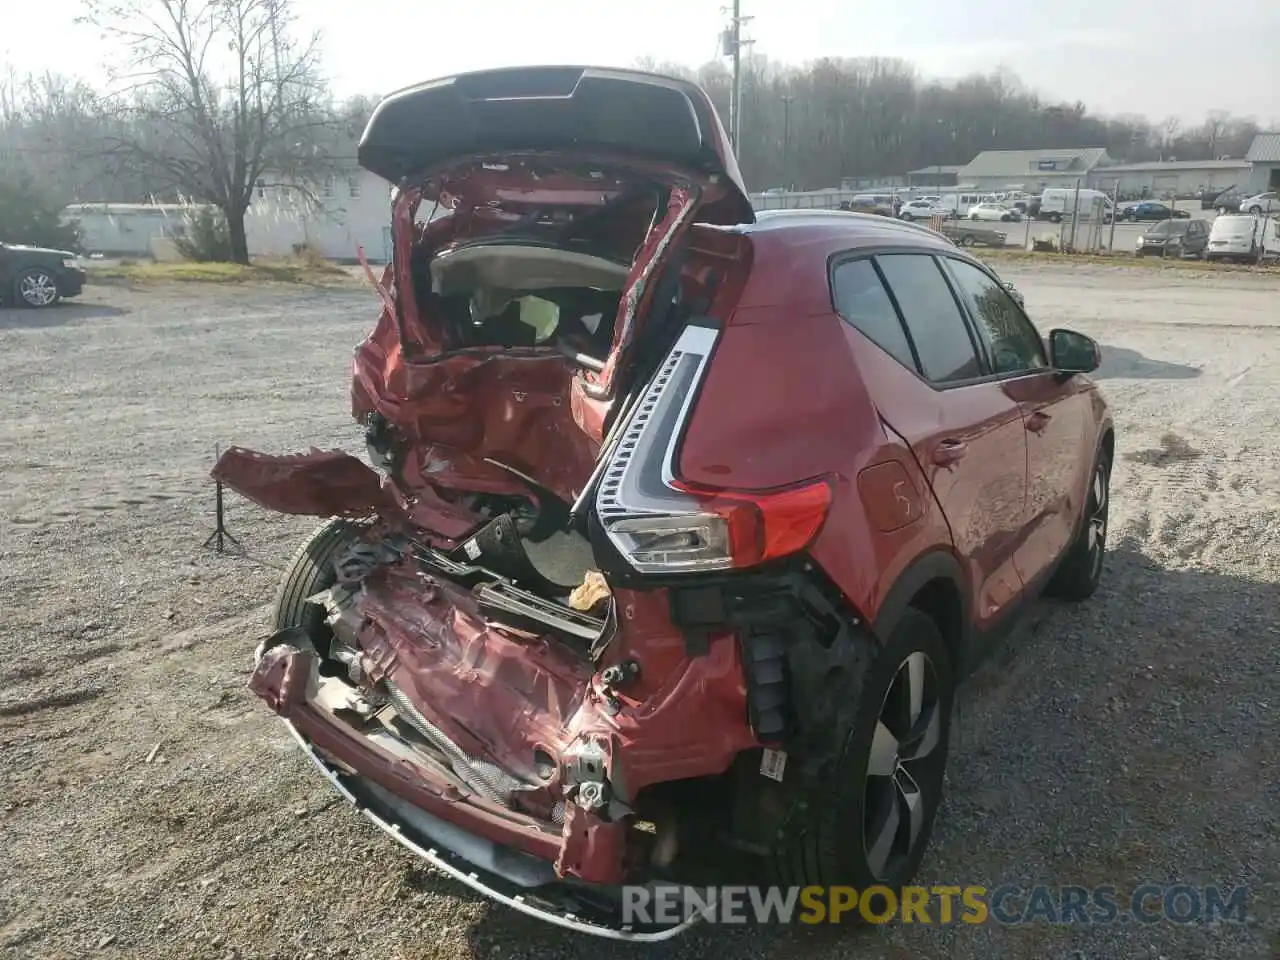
<point>1172,177</point>
<point>1264,158</point>
<point>1032,170</point>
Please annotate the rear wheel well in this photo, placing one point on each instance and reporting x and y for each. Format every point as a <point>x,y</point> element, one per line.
<point>940,600</point>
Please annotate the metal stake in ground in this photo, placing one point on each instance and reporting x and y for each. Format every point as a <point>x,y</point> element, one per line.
<point>220,532</point>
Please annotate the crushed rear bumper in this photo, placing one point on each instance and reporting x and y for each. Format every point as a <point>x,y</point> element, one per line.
<point>506,876</point>
<point>509,857</point>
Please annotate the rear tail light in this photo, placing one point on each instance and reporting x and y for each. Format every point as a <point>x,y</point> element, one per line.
<point>663,525</point>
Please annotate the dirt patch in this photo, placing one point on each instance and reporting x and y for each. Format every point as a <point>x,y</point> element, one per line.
<point>1172,449</point>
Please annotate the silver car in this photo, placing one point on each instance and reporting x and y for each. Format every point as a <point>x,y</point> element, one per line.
<point>1262,203</point>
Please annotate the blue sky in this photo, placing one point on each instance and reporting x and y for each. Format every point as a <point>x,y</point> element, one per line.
<point>1157,57</point>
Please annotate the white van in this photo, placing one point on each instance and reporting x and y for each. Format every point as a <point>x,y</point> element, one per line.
<point>1243,237</point>
<point>958,204</point>
<point>1056,204</point>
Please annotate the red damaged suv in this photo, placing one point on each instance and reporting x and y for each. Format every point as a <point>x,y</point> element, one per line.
<point>682,521</point>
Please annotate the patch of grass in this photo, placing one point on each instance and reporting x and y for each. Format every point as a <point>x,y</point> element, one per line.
<point>310,270</point>
<point>1126,260</point>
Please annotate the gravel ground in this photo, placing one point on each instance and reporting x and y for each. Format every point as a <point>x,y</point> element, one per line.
<point>152,808</point>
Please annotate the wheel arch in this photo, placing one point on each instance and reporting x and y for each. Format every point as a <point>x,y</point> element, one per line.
<point>934,584</point>
<point>1107,442</point>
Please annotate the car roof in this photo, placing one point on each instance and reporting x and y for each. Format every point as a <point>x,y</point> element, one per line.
<point>838,230</point>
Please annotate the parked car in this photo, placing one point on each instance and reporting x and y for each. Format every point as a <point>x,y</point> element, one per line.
<point>1228,201</point>
<point>968,233</point>
<point>1243,238</point>
<point>1151,210</point>
<point>868,201</point>
<point>994,211</point>
<point>1218,198</point>
<point>919,210</point>
<point>1175,238</point>
<point>37,276</point>
<point>1014,292</point>
<point>1267,202</point>
<point>758,645</point>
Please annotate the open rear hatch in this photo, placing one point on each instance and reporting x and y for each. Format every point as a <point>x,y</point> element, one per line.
<point>560,201</point>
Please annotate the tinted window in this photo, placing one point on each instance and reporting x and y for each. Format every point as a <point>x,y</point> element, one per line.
<point>932,315</point>
<point>861,299</point>
<point>1015,344</point>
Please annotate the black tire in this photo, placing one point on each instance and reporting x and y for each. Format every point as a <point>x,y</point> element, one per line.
<point>31,280</point>
<point>1081,570</point>
<point>1006,218</point>
<point>907,217</point>
<point>1255,210</point>
<point>309,571</point>
<point>967,240</point>
<point>824,838</point>
<point>1055,218</point>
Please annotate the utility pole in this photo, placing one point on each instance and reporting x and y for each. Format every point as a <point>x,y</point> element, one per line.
<point>786,139</point>
<point>733,44</point>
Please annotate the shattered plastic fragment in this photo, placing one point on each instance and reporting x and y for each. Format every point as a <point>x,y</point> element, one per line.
<point>591,594</point>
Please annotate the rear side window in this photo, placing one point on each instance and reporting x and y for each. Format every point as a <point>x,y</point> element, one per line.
<point>860,298</point>
<point>1015,345</point>
<point>932,315</point>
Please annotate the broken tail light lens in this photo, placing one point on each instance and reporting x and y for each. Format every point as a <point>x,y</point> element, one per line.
<point>663,525</point>
<point>767,526</point>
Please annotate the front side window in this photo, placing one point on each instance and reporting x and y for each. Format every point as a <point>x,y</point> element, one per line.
<point>1014,343</point>
<point>933,317</point>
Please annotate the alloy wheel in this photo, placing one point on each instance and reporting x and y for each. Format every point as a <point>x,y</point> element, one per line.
<point>38,289</point>
<point>903,766</point>
<point>1099,505</point>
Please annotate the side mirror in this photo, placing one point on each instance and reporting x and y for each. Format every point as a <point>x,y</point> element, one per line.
<point>1072,352</point>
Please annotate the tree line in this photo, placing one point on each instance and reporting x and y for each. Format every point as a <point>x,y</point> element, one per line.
<point>218,96</point>
<point>809,126</point>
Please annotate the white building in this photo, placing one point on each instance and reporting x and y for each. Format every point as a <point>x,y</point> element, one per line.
<point>125,229</point>
<point>348,210</point>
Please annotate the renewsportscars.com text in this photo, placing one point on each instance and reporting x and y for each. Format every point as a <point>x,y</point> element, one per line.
<point>1007,905</point>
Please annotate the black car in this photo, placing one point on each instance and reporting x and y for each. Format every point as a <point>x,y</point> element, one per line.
<point>1148,210</point>
<point>1175,238</point>
<point>1224,200</point>
<point>38,277</point>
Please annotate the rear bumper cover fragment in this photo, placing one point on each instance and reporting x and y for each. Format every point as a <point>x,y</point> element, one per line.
<point>501,874</point>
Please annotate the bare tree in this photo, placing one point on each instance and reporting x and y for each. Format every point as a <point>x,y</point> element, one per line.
<point>1215,125</point>
<point>216,96</point>
<point>1169,134</point>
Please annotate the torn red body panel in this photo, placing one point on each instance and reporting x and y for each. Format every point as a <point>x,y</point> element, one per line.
<point>320,483</point>
<point>511,699</point>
